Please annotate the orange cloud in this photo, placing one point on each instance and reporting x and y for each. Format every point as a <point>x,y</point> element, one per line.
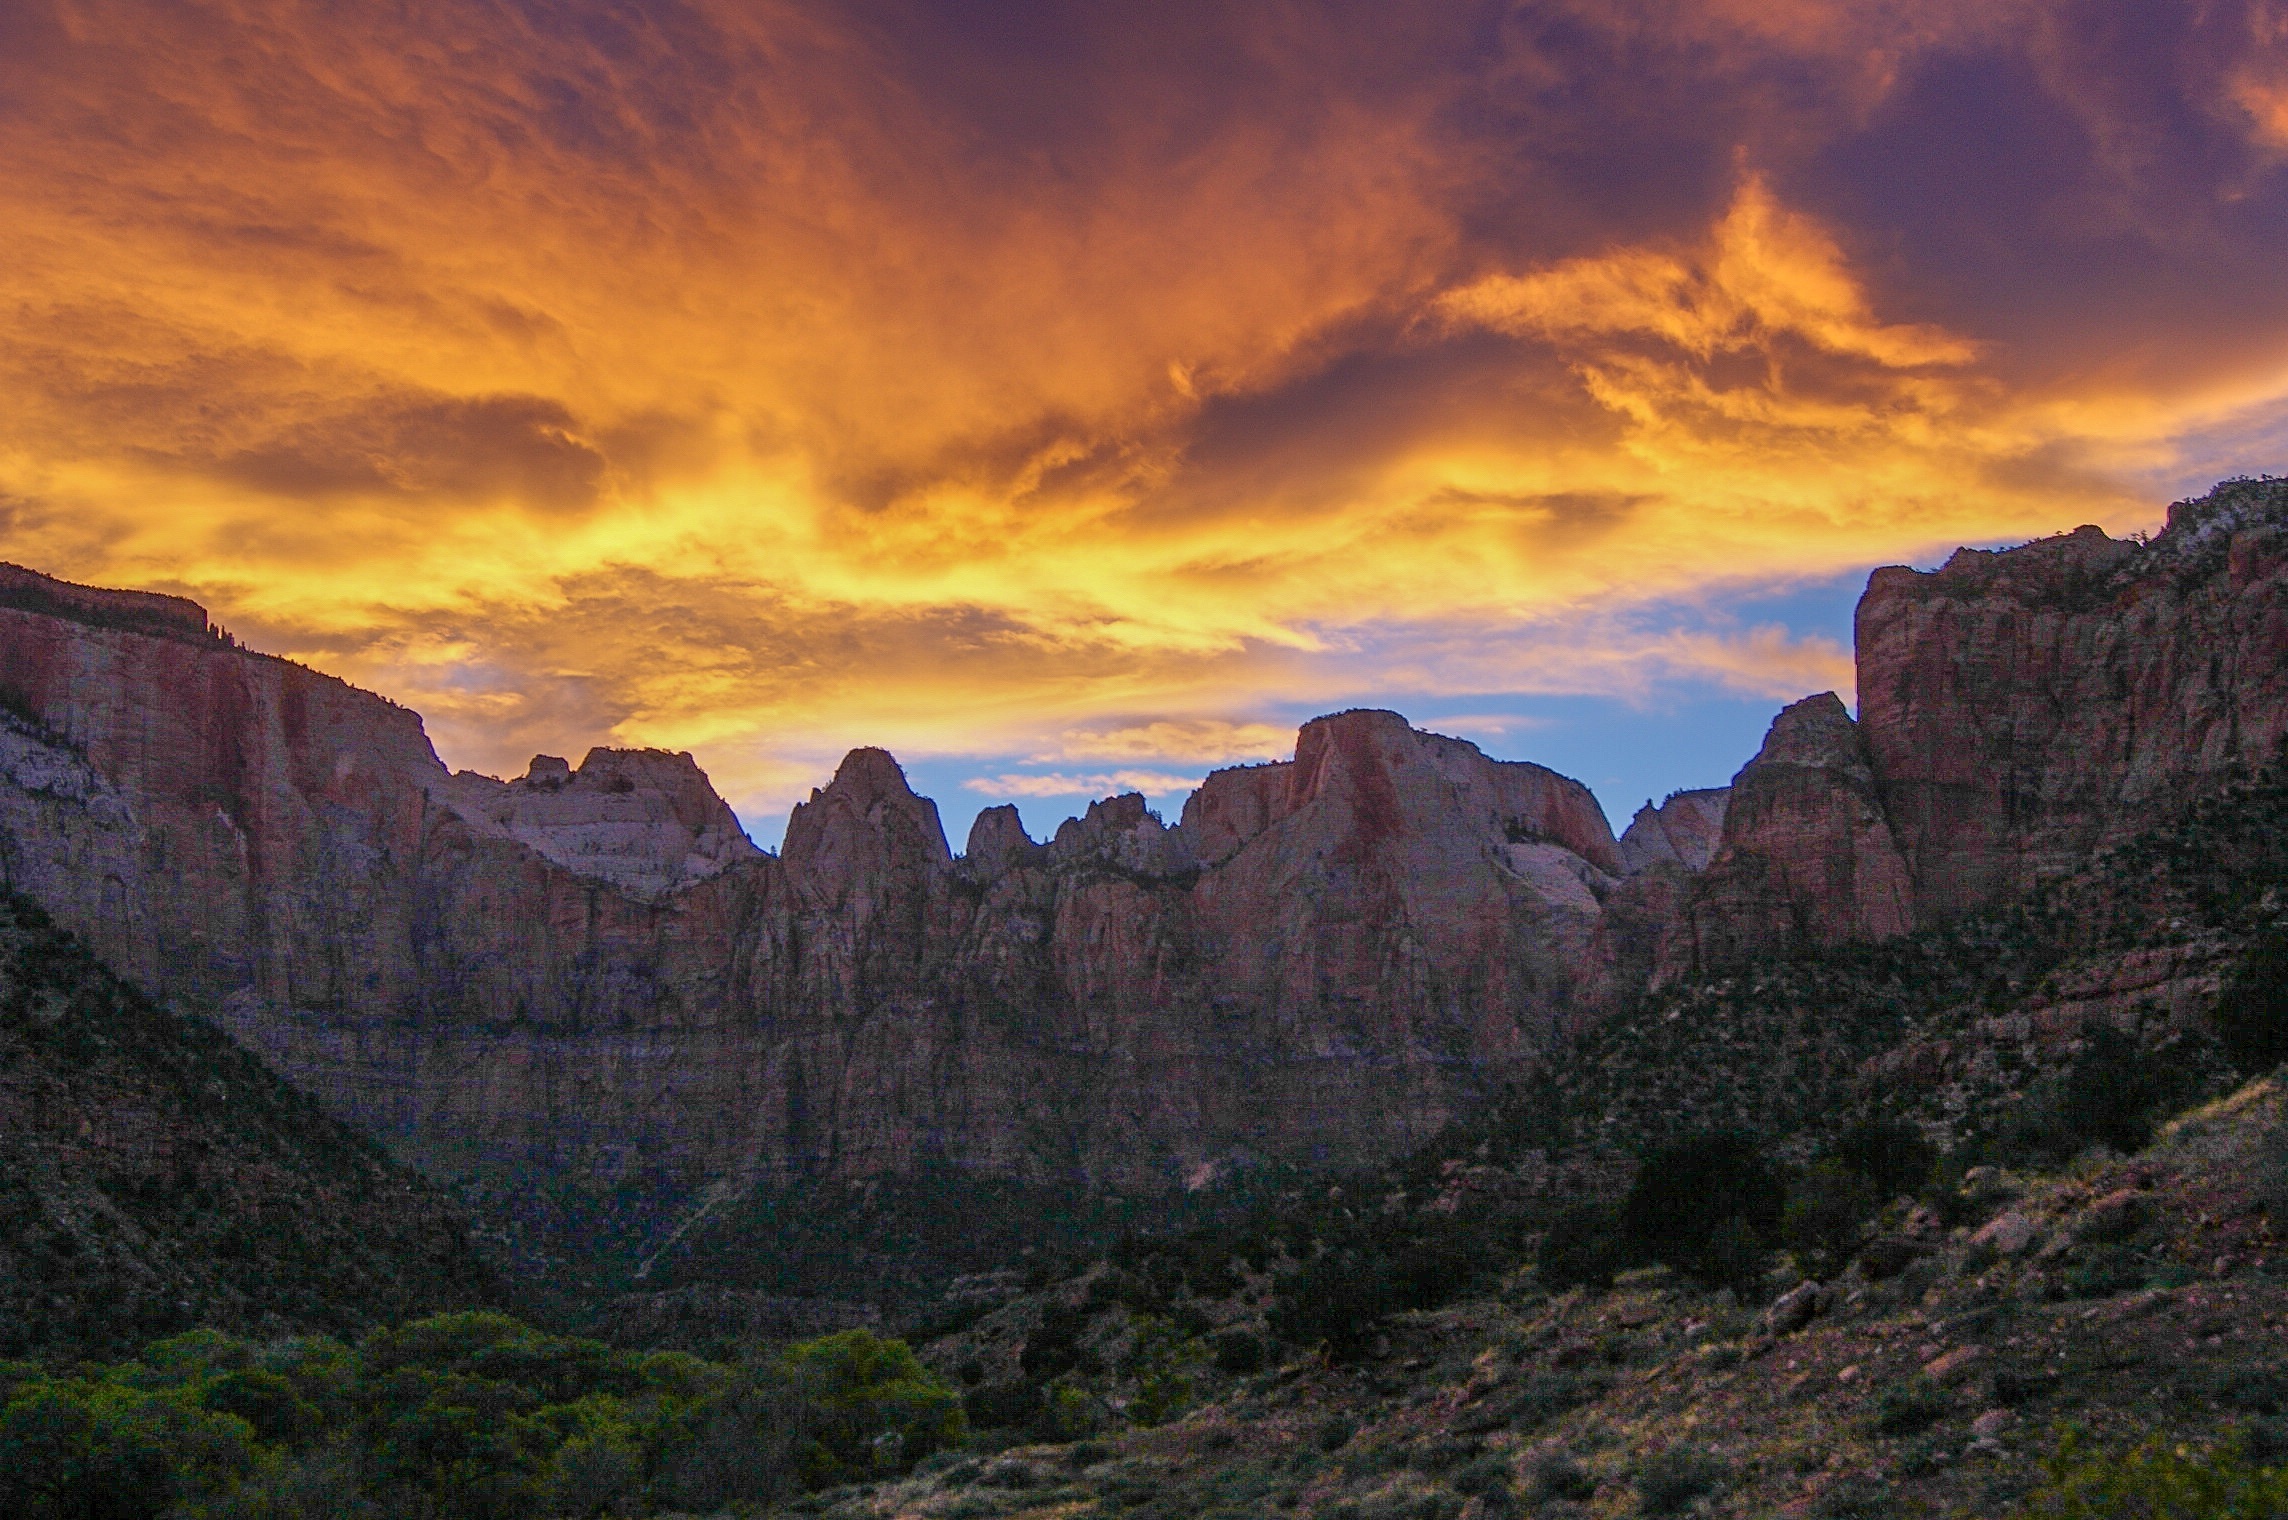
<point>762,379</point>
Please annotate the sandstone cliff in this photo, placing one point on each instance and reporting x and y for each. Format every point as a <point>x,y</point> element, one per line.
<point>2019,710</point>
<point>593,969</point>
<point>1323,960</point>
<point>2022,708</point>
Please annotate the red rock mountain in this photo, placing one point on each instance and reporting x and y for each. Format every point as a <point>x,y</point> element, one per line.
<point>1324,959</point>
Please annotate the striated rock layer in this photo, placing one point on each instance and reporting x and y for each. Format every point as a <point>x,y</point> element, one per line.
<point>1323,960</point>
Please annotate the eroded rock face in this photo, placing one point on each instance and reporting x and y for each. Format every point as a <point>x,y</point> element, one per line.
<point>1324,960</point>
<point>1683,831</point>
<point>1806,856</point>
<point>2022,708</point>
<point>2019,710</point>
<point>644,820</point>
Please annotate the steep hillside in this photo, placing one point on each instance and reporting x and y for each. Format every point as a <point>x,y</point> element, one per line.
<point>2141,1302</point>
<point>155,1177</point>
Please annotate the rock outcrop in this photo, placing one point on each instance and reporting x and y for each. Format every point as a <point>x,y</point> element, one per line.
<point>1683,831</point>
<point>642,819</point>
<point>1806,856</point>
<point>2019,710</point>
<point>2023,708</point>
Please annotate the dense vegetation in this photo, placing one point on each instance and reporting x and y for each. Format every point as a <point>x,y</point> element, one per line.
<point>461,1415</point>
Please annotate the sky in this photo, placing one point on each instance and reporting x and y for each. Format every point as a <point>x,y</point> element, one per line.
<point>1073,398</point>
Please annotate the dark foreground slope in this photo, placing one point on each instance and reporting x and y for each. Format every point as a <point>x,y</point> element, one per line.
<point>2131,1300</point>
<point>154,1176</point>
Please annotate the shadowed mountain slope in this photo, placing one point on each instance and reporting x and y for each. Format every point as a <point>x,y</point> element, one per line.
<point>154,1176</point>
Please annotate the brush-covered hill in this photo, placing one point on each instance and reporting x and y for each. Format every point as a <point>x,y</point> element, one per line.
<point>155,1177</point>
<point>2139,1302</point>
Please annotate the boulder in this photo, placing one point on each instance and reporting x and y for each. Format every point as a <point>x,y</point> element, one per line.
<point>2007,1234</point>
<point>1795,1308</point>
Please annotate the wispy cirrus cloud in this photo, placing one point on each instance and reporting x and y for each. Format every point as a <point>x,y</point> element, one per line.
<point>1100,784</point>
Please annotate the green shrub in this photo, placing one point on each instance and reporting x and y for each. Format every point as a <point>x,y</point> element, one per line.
<point>2252,1009</point>
<point>1054,1346</point>
<point>1161,1361</point>
<point>1828,1217</point>
<point>1487,1479</point>
<point>1707,1205</point>
<point>1581,1249</point>
<point>1339,1297</point>
<point>1890,1153</point>
<point>1670,1481</point>
<point>80,1450</point>
<point>267,1401</point>
<point>1239,1352</point>
<point>1003,1405</point>
<point>2156,1481</point>
<point>1557,1475</point>
<point>2101,1271</point>
<point>2112,1094</point>
<point>1855,1499</point>
<point>1909,1406</point>
<point>872,1406</point>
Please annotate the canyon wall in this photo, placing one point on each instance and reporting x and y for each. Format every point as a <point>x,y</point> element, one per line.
<point>1323,960</point>
<point>2019,710</point>
<point>592,969</point>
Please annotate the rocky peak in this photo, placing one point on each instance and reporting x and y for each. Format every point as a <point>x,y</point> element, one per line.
<point>2233,506</point>
<point>1816,732</point>
<point>1234,805</point>
<point>1682,831</point>
<point>998,842</point>
<point>1124,833</point>
<point>1806,857</point>
<point>1390,777</point>
<point>645,820</point>
<point>865,826</point>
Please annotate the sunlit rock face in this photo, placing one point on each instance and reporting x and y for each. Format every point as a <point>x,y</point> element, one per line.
<point>1683,832</point>
<point>592,967</point>
<point>2018,710</point>
<point>644,820</point>
<point>1324,959</point>
<point>2022,708</point>
<point>1806,856</point>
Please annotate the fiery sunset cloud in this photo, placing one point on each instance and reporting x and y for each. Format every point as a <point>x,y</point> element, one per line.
<point>1063,395</point>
